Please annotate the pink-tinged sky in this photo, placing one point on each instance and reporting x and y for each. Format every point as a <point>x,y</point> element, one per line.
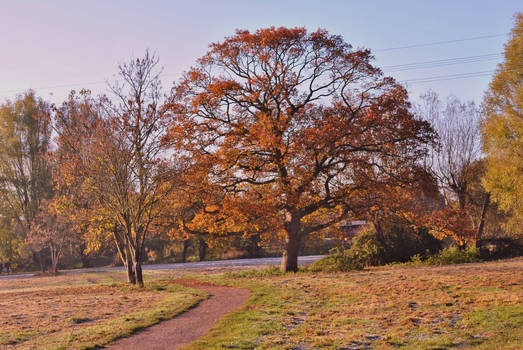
<point>54,46</point>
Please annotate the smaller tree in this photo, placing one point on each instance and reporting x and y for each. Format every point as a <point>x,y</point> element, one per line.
<point>452,222</point>
<point>25,171</point>
<point>51,231</point>
<point>457,125</point>
<point>404,203</point>
<point>11,244</point>
<point>121,169</point>
<point>456,164</point>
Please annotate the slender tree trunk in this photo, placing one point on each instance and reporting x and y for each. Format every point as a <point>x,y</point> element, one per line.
<point>54,259</point>
<point>185,248</point>
<point>41,261</point>
<point>138,276</point>
<point>129,267</point>
<point>84,257</point>
<point>202,249</point>
<point>130,272</point>
<point>137,265</point>
<point>54,268</point>
<point>139,253</point>
<point>481,225</point>
<point>126,260</point>
<point>462,199</point>
<point>125,254</point>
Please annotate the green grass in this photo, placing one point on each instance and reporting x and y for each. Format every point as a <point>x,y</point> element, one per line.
<point>500,326</point>
<point>448,307</point>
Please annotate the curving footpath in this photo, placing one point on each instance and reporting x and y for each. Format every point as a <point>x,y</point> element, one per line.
<point>189,326</point>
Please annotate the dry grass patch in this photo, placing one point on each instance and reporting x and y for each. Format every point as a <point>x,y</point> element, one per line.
<point>58,315</point>
<point>60,280</point>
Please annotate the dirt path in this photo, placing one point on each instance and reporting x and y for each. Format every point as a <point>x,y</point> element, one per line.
<point>191,325</point>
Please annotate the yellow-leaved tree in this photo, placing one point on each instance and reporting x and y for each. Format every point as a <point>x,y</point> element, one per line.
<point>503,130</point>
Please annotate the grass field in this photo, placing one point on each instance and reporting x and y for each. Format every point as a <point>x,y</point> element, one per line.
<point>461,306</point>
<point>83,310</point>
<point>449,307</point>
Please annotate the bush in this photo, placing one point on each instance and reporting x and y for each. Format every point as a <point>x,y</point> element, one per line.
<point>397,243</point>
<point>367,248</point>
<point>447,256</point>
<point>500,247</point>
<point>453,255</point>
<point>337,261</point>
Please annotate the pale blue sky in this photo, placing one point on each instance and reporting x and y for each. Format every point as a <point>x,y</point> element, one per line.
<point>54,46</point>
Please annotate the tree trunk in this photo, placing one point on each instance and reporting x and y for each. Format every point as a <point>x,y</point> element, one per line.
<point>129,267</point>
<point>54,259</point>
<point>481,225</point>
<point>289,260</point>
<point>54,268</point>
<point>37,259</point>
<point>130,272</point>
<point>138,255</point>
<point>84,257</point>
<point>202,251</point>
<point>462,196</point>
<point>138,272</point>
<point>185,248</point>
<point>125,255</point>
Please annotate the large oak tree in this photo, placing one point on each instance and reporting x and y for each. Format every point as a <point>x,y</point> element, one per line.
<point>292,126</point>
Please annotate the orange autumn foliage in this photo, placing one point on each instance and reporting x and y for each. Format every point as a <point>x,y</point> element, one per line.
<point>285,128</point>
<point>452,223</point>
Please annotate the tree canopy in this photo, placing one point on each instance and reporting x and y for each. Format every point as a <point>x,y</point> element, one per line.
<point>503,129</point>
<point>291,125</point>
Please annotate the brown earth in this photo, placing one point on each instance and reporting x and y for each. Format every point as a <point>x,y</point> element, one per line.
<point>191,325</point>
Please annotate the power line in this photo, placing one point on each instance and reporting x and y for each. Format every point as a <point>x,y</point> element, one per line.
<point>442,63</point>
<point>442,42</point>
<point>396,68</point>
<point>449,77</point>
<point>411,81</point>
